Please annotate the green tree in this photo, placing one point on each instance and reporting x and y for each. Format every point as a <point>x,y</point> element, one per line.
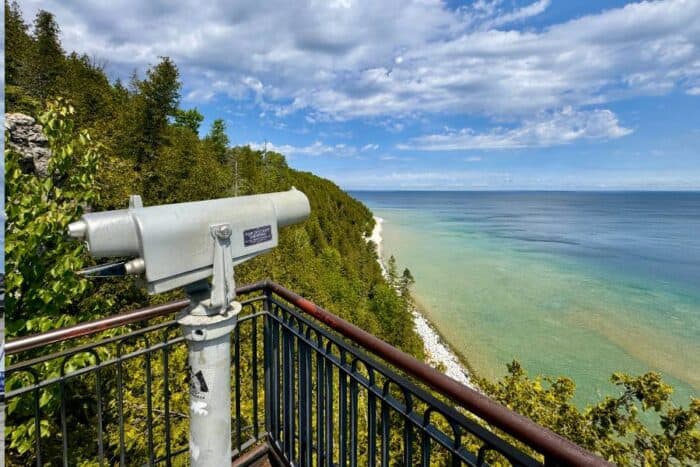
<point>159,95</point>
<point>49,60</point>
<point>17,40</point>
<point>392,270</point>
<point>189,119</point>
<point>17,60</point>
<point>85,85</point>
<point>218,140</point>
<point>406,282</point>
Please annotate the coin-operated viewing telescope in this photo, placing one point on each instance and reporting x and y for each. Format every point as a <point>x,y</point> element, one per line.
<point>182,245</point>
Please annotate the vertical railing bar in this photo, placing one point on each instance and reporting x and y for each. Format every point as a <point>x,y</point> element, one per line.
<point>304,440</point>
<point>100,443</point>
<point>385,434</point>
<point>237,372</point>
<point>342,409</point>
<point>481,456</point>
<point>166,400</point>
<point>267,362</point>
<point>37,425</point>
<point>64,430</point>
<point>408,431</point>
<point>425,449</point>
<point>149,407</point>
<point>287,435</point>
<point>457,444</point>
<point>254,344</point>
<point>277,380</point>
<point>309,404</point>
<point>329,413</point>
<point>320,403</point>
<point>425,440</point>
<point>371,423</point>
<point>120,408</point>
<point>292,398</point>
<point>353,419</point>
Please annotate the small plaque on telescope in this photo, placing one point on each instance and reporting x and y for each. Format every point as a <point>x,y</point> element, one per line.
<point>257,235</point>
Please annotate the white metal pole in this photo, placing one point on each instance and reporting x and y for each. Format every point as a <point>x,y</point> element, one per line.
<point>209,344</point>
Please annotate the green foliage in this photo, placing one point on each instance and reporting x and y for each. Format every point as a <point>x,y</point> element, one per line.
<point>612,427</point>
<point>190,118</point>
<point>39,260</point>
<point>42,290</point>
<point>184,171</point>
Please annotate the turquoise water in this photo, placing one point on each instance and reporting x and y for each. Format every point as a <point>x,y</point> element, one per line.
<point>577,284</point>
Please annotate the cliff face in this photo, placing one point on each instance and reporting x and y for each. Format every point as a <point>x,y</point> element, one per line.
<point>25,137</point>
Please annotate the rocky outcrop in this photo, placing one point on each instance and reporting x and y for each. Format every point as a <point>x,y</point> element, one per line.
<point>26,137</point>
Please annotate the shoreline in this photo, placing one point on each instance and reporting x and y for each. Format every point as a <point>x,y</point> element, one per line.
<point>437,350</point>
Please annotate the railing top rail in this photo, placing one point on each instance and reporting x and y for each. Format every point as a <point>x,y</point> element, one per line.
<point>553,446</point>
<point>110,322</point>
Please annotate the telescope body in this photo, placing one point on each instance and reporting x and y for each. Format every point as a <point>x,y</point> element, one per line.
<point>174,241</point>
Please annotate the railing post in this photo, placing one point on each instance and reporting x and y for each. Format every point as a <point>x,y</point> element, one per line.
<point>267,358</point>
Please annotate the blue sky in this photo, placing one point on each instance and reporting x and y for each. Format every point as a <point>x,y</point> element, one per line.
<point>427,94</point>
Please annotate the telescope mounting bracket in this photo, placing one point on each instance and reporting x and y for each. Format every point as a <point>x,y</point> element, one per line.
<point>223,290</point>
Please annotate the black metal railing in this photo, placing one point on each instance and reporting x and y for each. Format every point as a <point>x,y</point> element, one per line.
<point>303,383</point>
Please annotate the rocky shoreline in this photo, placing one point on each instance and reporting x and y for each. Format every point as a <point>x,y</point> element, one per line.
<point>437,350</point>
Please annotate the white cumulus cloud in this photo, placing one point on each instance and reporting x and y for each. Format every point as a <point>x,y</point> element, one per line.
<point>395,58</point>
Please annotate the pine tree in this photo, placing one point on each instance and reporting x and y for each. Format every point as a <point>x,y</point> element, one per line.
<point>406,281</point>
<point>392,271</point>
<point>17,43</point>
<point>19,50</point>
<point>49,60</point>
<point>159,97</point>
<point>218,139</point>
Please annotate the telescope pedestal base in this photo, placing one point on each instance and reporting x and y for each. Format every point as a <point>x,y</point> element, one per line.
<point>209,345</point>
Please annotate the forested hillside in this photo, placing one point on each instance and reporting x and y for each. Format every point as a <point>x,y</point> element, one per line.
<point>144,142</point>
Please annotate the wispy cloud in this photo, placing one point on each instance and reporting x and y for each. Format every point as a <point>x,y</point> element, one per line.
<point>501,18</point>
<point>480,180</point>
<point>549,129</point>
<point>315,149</point>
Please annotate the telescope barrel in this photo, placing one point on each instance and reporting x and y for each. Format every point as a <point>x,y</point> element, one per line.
<point>291,207</point>
<point>184,226</point>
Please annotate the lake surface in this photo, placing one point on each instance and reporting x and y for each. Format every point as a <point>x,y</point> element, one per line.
<point>569,283</point>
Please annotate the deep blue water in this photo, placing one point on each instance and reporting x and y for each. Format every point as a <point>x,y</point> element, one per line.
<point>655,235</point>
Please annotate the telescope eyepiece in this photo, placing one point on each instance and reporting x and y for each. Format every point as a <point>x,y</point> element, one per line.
<point>78,229</point>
